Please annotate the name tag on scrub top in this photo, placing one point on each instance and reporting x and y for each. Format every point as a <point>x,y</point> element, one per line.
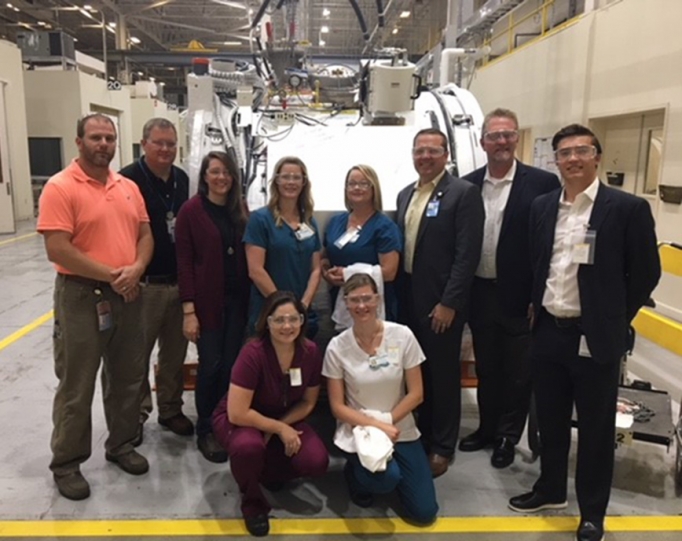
<point>304,232</point>
<point>349,236</point>
<point>583,252</point>
<point>295,377</point>
<point>432,208</point>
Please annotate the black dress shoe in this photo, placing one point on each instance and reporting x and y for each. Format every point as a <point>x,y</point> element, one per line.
<point>590,531</point>
<point>211,449</point>
<point>474,442</point>
<point>503,455</point>
<point>258,526</point>
<point>532,502</point>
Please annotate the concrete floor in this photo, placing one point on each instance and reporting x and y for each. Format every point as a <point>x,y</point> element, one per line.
<point>182,485</point>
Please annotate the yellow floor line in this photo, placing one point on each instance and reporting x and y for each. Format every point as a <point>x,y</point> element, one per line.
<point>324,526</point>
<point>15,239</point>
<point>16,335</point>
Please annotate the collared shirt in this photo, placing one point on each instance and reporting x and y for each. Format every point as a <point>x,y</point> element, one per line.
<point>103,219</point>
<point>161,197</point>
<point>413,216</point>
<point>562,293</point>
<point>495,192</point>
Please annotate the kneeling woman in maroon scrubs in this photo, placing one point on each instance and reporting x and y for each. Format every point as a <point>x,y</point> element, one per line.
<point>274,387</point>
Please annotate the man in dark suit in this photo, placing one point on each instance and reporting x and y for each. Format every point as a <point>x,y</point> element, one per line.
<point>500,296</point>
<point>441,218</point>
<point>595,263</point>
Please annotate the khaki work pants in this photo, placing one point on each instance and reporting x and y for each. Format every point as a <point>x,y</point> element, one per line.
<point>162,321</point>
<point>79,349</point>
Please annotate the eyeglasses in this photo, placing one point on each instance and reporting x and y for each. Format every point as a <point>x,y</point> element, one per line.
<point>218,172</point>
<point>583,152</point>
<point>507,135</point>
<point>358,184</point>
<point>357,300</point>
<point>280,321</point>
<point>432,152</point>
<point>289,177</point>
<point>165,144</point>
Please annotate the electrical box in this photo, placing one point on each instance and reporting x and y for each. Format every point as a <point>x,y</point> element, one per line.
<point>41,45</point>
<point>391,87</point>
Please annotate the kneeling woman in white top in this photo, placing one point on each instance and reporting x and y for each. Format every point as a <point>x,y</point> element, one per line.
<point>369,367</point>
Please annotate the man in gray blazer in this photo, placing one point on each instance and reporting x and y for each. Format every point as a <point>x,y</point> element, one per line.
<point>441,218</point>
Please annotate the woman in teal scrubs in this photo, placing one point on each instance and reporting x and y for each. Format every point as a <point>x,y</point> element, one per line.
<point>283,243</point>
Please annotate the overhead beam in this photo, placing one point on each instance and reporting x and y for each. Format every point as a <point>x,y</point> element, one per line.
<point>149,33</point>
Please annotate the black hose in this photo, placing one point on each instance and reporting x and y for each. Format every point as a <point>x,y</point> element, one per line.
<point>259,14</point>
<point>380,10</point>
<point>361,19</point>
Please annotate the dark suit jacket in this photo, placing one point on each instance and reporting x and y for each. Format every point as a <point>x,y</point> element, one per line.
<point>514,274</point>
<point>626,265</point>
<point>448,246</point>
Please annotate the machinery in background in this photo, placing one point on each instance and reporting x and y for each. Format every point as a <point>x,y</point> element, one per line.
<point>332,117</point>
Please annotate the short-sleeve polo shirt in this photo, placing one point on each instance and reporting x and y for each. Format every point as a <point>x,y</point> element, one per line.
<point>103,219</point>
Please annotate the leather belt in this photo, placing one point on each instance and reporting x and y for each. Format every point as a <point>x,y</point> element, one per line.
<point>85,281</point>
<point>565,322</point>
<point>168,279</point>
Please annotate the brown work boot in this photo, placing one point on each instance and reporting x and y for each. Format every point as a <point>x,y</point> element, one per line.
<point>132,462</point>
<point>178,424</point>
<point>72,485</point>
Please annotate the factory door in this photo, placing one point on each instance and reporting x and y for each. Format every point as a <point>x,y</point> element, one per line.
<point>6,205</point>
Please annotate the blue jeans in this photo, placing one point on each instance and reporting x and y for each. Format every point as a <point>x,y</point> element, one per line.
<point>408,472</point>
<point>218,349</point>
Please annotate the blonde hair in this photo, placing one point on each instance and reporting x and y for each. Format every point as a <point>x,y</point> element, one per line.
<point>304,204</point>
<point>371,175</point>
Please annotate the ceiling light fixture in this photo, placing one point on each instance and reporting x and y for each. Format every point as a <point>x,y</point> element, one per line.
<point>87,7</point>
<point>326,13</point>
<point>394,31</point>
<point>322,43</point>
<point>135,40</point>
<point>232,43</point>
<point>10,5</point>
<point>404,14</point>
<point>324,29</point>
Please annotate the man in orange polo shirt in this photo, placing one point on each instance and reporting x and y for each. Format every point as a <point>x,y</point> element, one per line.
<point>97,234</point>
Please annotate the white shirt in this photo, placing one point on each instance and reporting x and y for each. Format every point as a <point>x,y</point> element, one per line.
<point>562,294</point>
<point>378,386</point>
<point>495,192</point>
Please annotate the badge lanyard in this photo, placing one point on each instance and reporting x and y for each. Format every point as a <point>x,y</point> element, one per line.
<point>170,214</point>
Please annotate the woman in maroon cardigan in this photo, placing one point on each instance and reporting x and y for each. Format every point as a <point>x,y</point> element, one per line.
<point>214,285</point>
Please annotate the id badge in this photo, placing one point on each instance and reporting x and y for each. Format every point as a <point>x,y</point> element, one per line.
<point>583,350</point>
<point>583,252</point>
<point>393,354</point>
<point>295,377</point>
<point>432,208</point>
<point>349,236</point>
<point>304,232</point>
<point>104,318</point>
<point>170,226</point>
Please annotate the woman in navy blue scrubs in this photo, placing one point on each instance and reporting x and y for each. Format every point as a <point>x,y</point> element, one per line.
<point>363,234</point>
<point>283,243</point>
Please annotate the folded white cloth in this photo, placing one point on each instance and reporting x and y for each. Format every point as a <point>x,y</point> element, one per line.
<point>373,446</point>
<point>340,315</point>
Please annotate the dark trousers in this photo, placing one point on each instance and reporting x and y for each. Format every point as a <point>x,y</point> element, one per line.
<point>561,379</point>
<point>439,415</point>
<point>501,346</point>
<point>218,349</point>
<point>252,462</point>
<point>407,472</point>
